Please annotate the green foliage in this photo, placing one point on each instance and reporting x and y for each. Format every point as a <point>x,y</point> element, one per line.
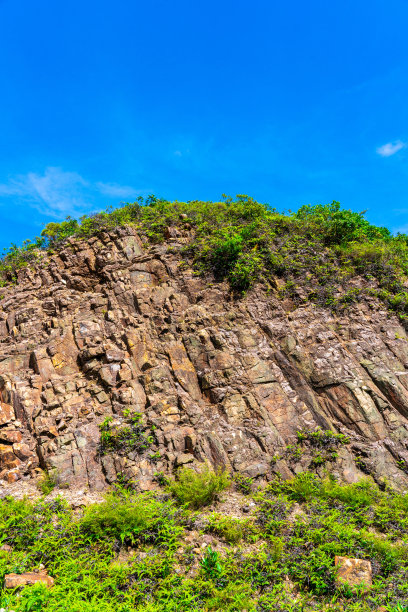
<point>57,232</point>
<point>243,483</point>
<point>319,252</point>
<point>35,598</point>
<point>291,567</point>
<point>131,435</point>
<point>210,563</point>
<point>322,445</point>
<point>339,227</point>
<point>132,519</point>
<point>231,529</point>
<point>197,489</point>
<point>47,481</point>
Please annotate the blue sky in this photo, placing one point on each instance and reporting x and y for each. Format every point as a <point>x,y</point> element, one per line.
<point>291,102</point>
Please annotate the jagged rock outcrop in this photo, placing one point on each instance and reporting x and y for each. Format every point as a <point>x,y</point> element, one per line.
<point>111,325</point>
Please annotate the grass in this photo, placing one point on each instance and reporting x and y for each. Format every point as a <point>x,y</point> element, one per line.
<point>269,560</point>
<point>323,254</point>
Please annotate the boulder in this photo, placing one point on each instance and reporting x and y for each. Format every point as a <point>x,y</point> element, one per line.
<point>353,572</point>
<point>13,581</point>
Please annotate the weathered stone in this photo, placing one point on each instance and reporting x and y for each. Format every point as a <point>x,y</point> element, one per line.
<point>42,364</point>
<point>114,355</point>
<point>354,572</point>
<point>109,374</point>
<point>22,451</point>
<point>10,435</point>
<point>184,458</point>
<point>6,413</point>
<point>184,370</point>
<point>13,581</point>
<point>254,469</point>
<point>108,328</point>
<point>12,475</point>
<point>7,458</point>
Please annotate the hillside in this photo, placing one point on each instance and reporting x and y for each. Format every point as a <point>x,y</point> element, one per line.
<point>136,325</point>
<point>162,336</point>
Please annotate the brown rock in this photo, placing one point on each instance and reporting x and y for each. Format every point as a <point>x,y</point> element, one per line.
<point>42,364</point>
<point>183,458</point>
<point>113,355</point>
<point>12,475</point>
<point>110,324</point>
<point>6,413</point>
<point>13,581</point>
<point>22,451</point>
<point>7,457</point>
<point>10,435</point>
<point>354,572</point>
<point>184,370</point>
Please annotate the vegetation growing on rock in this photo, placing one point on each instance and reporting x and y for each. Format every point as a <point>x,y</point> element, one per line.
<point>322,253</point>
<point>121,365</point>
<point>128,360</point>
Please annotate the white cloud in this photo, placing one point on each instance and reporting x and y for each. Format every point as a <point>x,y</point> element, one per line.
<point>58,193</point>
<point>391,148</point>
<point>118,191</point>
<point>54,193</point>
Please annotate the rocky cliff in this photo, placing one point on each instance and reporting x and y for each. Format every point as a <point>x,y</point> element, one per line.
<point>110,327</point>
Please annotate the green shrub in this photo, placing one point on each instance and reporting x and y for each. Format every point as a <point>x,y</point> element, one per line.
<point>197,489</point>
<point>131,518</point>
<point>243,483</point>
<point>47,481</point>
<point>302,488</point>
<point>360,494</point>
<point>131,435</point>
<point>319,251</point>
<point>339,226</point>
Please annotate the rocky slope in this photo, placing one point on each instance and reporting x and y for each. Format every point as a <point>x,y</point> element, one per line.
<point>111,325</point>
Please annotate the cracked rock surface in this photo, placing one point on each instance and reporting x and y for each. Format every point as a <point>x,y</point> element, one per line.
<point>110,325</point>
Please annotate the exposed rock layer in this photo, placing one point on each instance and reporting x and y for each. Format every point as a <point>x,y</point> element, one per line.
<point>107,325</point>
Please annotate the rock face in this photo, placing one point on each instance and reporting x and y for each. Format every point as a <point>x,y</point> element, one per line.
<point>110,325</point>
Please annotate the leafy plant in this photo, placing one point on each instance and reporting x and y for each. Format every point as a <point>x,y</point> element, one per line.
<point>196,489</point>
<point>210,563</point>
<point>130,435</point>
<point>47,481</point>
<point>231,529</point>
<point>243,483</point>
<point>131,518</point>
<point>34,598</point>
